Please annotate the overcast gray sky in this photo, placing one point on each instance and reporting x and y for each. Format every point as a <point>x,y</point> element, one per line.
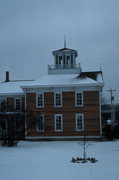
<point>31,29</point>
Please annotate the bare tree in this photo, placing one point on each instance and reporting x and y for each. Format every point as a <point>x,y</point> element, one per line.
<point>84,144</point>
<point>12,126</point>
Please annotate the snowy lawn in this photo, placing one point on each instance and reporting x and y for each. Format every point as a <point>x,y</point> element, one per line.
<point>51,161</point>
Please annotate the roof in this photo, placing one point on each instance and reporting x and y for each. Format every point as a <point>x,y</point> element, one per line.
<point>65,49</point>
<point>59,80</point>
<point>13,87</point>
<point>95,75</point>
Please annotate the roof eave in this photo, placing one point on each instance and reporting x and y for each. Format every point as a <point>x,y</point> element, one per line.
<point>62,85</point>
<point>11,94</point>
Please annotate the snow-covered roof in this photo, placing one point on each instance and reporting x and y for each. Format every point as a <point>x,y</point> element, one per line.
<point>59,80</point>
<point>13,87</point>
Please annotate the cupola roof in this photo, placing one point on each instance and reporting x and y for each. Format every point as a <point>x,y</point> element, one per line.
<point>65,50</point>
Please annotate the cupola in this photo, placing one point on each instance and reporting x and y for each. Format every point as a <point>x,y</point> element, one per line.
<point>64,62</point>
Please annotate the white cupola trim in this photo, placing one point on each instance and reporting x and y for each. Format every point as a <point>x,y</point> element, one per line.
<point>64,61</point>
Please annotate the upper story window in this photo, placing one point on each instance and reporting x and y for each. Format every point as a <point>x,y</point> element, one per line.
<point>58,100</point>
<point>3,104</point>
<point>40,123</point>
<point>58,122</point>
<point>79,99</point>
<point>18,104</point>
<point>40,100</point>
<point>79,122</point>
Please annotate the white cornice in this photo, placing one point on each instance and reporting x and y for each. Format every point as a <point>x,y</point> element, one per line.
<point>69,88</point>
<point>11,94</point>
<point>62,85</point>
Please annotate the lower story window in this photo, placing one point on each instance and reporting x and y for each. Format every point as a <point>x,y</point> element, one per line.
<point>40,123</point>
<point>18,104</point>
<point>3,104</point>
<point>79,122</point>
<point>58,122</point>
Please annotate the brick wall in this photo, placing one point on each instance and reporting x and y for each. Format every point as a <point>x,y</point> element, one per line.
<point>10,103</point>
<point>68,110</point>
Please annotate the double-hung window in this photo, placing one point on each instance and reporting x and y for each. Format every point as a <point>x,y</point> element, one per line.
<point>40,123</point>
<point>3,104</point>
<point>58,122</point>
<point>18,104</point>
<point>40,100</point>
<point>79,99</point>
<point>58,100</point>
<point>79,122</point>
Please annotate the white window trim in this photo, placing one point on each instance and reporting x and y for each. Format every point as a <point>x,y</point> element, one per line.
<point>76,99</point>
<point>37,100</point>
<point>82,122</point>
<point>55,99</point>
<point>43,125</point>
<point>61,122</point>
<point>15,103</point>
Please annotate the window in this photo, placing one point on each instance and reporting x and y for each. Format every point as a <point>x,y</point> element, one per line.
<point>40,100</point>
<point>40,123</point>
<point>79,99</point>
<point>58,100</point>
<point>3,104</point>
<point>18,104</point>
<point>79,122</point>
<point>58,122</point>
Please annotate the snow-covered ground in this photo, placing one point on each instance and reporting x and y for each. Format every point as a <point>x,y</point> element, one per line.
<point>51,161</point>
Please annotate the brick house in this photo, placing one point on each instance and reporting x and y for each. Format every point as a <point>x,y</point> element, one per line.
<point>66,103</point>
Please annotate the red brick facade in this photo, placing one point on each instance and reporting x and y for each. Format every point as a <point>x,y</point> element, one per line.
<point>90,110</point>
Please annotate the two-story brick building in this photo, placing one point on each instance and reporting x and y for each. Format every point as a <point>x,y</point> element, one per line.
<point>66,103</point>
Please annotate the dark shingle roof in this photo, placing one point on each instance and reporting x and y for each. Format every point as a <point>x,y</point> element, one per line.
<point>93,75</point>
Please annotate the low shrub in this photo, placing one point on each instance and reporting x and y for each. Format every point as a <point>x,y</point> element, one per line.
<point>81,160</point>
